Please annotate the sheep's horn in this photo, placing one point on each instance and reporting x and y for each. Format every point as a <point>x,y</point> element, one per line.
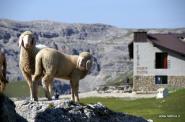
<point>88,64</point>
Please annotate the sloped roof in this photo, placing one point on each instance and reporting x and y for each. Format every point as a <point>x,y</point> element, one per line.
<point>170,41</point>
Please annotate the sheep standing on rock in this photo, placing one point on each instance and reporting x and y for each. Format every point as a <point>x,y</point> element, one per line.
<point>3,80</point>
<point>28,52</point>
<point>54,64</point>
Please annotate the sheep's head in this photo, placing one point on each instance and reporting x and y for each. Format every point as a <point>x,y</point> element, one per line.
<point>84,61</point>
<point>26,40</point>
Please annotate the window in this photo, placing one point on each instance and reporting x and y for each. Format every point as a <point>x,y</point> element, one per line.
<point>161,60</point>
<point>131,53</point>
<point>161,79</point>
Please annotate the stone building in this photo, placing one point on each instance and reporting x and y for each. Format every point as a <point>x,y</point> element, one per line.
<point>159,61</point>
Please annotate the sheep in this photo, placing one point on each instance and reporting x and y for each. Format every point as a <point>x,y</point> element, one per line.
<point>3,80</point>
<point>54,64</point>
<point>28,51</point>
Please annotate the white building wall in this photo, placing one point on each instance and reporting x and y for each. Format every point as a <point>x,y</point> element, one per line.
<point>144,61</point>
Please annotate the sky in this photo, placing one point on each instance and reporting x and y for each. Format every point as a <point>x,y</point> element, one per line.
<point>120,13</point>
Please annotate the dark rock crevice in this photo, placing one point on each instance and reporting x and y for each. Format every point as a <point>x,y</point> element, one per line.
<point>7,111</point>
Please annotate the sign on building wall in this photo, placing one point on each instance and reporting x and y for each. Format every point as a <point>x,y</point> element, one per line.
<point>140,70</point>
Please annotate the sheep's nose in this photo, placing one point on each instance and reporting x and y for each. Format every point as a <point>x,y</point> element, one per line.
<point>26,45</point>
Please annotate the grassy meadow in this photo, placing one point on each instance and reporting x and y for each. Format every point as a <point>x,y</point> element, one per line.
<point>169,109</point>
<point>20,89</point>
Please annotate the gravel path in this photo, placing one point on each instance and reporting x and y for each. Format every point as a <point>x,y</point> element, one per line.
<point>117,95</point>
<point>129,96</point>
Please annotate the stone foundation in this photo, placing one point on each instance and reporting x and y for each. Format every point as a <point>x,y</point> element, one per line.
<point>147,83</point>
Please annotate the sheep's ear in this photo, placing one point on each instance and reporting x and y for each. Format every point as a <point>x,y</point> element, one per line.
<point>20,41</point>
<point>88,64</point>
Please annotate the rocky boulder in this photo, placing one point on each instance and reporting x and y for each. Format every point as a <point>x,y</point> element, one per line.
<point>67,111</point>
<point>7,111</point>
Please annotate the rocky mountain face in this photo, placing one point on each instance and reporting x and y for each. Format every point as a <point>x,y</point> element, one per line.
<point>108,44</point>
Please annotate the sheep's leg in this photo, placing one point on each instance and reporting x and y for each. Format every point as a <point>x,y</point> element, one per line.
<point>51,87</point>
<point>2,83</point>
<point>36,77</point>
<point>35,90</point>
<point>2,78</point>
<point>2,86</point>
<point>29,81</point>
<point>76,87</point>
<point>46,80</point>
<point>72,91</point>
<point>46,89</point>
<point>35,80</point>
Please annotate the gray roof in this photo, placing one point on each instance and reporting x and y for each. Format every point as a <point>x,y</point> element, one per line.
<point>173,42</point>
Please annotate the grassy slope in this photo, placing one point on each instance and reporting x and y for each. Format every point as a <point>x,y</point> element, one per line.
<point>19,89</point>
<point>151,108</point>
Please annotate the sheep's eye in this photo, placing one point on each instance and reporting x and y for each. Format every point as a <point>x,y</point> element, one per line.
<point>31,41</point>
<point>83,60</point>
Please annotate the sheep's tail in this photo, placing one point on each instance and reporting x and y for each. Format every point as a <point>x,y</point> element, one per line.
<point>38,68</point>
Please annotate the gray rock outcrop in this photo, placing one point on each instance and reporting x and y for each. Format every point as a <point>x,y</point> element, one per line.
<point>67,111</point>
<point>7,111</point>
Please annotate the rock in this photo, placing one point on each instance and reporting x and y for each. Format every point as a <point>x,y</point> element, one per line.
<point>68,111</point>
<point>49,35</point>
<point>150,120</point>
<point>114,89</point>
<point>54,45</point>
<point>4,35</point>
<point>161,93</point>
<point>7,111</point>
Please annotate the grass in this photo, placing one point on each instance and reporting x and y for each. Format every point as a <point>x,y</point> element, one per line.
<point>20,89</point>
<point>169,109</point>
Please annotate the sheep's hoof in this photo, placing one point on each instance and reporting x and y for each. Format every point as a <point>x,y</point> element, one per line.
<point>49,99</point>
<point>31,98</point>
<point>34,78</point>
<point>35,99</point>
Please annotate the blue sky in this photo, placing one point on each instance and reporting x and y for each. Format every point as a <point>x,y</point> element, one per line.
<point>120,13</point>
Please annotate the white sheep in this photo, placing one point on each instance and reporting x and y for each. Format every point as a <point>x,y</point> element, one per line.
<point>27,57</point>
<point>54,64</point>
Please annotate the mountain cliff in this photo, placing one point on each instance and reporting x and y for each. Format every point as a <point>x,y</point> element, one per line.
<point>108,44</point>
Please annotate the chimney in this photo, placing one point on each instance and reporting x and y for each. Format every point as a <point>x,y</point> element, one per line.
<point>140,36</point>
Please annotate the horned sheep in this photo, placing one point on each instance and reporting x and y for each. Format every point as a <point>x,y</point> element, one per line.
<point>28,52</point>
<point>54,64</point>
